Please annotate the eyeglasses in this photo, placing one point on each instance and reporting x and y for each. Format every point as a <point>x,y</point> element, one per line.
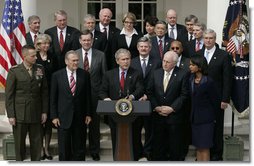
<point>175,48</point>
<point>127,22</point>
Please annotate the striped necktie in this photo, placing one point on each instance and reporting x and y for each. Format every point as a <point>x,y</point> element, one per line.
<point>72,84</point>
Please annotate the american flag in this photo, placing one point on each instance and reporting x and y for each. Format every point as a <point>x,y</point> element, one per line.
<point>12,37</point>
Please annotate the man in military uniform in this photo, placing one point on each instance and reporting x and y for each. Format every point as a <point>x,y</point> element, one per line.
<point>27,103</point>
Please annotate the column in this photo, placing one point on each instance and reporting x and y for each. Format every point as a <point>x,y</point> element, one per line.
<point>29,7</point>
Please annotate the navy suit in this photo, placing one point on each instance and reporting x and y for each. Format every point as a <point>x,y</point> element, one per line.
<point>71,111</point>
<point>220,70</point>
<point>167,141</point>
<point>71,42</point>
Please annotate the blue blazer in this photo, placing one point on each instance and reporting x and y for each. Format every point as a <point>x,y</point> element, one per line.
<point>204,99</point>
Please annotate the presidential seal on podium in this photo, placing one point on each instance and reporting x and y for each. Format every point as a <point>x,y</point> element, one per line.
<point>123,107</point>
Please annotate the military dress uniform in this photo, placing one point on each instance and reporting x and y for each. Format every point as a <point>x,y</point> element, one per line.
<point>26,99</point>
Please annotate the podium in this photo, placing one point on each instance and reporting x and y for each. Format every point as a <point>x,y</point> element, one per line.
<point>123,148</point>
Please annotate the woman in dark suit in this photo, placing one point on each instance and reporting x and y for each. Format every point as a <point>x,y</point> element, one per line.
<point>205,103</point>
<point>128,37</point>
<point>42,44</point>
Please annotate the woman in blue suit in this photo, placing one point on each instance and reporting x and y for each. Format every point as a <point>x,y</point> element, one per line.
<point>205,102</point>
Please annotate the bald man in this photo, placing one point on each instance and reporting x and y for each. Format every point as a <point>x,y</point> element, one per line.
<point>168,92</point>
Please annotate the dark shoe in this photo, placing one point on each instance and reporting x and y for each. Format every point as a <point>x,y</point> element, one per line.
<point>48,157</point>
<point>96,157</point>
<point>43,157</point>
<point>148,156</point>
<point>216,158</point>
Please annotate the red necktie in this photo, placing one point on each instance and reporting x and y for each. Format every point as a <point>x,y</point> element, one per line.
<point>122,81</point>
<point>161,48</point>
<point>61,41</point>
<point>35,36</point>
<point>197,46</point>
<point>72,84</point>
<point>86,62</point>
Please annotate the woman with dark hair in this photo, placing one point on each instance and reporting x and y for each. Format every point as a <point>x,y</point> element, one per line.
<point>150,22</point>
<point>205,103</point>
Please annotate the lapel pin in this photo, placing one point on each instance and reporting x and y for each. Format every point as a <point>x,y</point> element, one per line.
<point>68,34</point>
<point>175,75</point>
<point>214,58</point>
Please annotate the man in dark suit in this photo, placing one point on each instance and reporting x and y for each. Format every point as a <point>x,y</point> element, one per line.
<point>99,38</point>
<point>168,92</point>
<point>121,82</point>
<point>96,67</point>
<point>220,70</point>
<point>27,103</point>
<point>160,37</point>
<point>104,26</point>
<point>146,65</point>
<point>183,63</point>
<point>175,31</point>
<point>70,108</point>
<point>34,23</point>
<point>64,37</point>
<point>197,44</point>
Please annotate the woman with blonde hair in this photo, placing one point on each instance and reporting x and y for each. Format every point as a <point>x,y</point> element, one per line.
<point>128,37</point>
<point>48,61</point>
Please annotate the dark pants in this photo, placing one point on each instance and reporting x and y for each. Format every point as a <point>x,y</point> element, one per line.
<point>35,138</point>
<point>71,143</point>
<point>167,143</point>
<point>216,151</point>
<point>94,134</point>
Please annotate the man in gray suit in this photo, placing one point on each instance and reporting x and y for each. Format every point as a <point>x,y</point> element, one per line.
<point>27,103</point>
<point>93,61</point>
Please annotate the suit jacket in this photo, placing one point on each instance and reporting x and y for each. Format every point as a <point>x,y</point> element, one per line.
<point>63,105</point>
<point>184,63</point>
<point>220,70</point>
<point>152,65</point>
<point>29,39</point>
<point>155,52</point>
<point>175,96</point>
<point>119,41</point>
<point>97,70</point>
<point>100,41</point>
<point>71,43</point>
<point>26,96</point>
<point>108,52</point>
<point>191,47</point>
<point>110,87</point>
<point>204,100</point>
<point>180,32</point>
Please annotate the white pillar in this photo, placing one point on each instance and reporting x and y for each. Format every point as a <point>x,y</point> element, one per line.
<point>29,7</point>
<point>216,13</point>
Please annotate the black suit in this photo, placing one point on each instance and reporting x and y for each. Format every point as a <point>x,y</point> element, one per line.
<point>97,70</point>
<point>71,42</point>
<point>155,52</point>
<point>220,70</point>
<point>119,41</point>
<point>167,143</point>
<point>29,39</point>
<point>111,89</point>
<point>108,52</point>
<point>191,47</point>
<point>145,121</point>
<point>71,111</point>
<point>180,32</point>
<point>99,41</point>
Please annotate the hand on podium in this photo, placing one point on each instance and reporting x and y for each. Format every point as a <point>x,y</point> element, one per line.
<point>107,99</point>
